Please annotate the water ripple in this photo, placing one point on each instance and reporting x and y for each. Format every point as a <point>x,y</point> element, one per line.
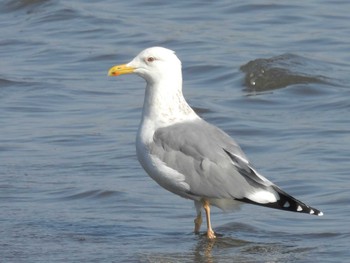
<point>93,194</point>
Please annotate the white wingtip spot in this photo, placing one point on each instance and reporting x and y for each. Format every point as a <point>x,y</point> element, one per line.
<point>286,204</point>
<point>320,214</point>
<point>299,208</point>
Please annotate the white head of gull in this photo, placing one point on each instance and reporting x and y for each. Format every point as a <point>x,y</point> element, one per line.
<point>190,157</point>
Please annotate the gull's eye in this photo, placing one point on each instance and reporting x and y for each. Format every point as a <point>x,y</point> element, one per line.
<point>150,59</point>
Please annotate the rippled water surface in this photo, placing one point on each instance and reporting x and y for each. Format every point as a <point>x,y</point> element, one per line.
<point>273,74</point>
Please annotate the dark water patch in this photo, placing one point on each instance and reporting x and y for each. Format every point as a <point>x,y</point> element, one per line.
<point>8,83</point>
<point>279,72</point>
<point>28,5</point>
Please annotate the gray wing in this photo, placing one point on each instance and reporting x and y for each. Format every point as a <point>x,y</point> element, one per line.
<point>213,164</point>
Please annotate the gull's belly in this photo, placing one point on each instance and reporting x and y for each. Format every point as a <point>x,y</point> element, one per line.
<point>164,175</point>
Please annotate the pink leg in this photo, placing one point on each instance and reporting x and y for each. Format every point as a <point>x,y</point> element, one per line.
<point>210,232</point>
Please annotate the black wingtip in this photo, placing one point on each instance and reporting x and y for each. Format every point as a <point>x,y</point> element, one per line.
<point>288,203</point>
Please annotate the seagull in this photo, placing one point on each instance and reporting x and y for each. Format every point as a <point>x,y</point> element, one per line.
<point>190,157</point>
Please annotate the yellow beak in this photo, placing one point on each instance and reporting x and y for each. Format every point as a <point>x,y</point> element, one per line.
<point>120,70</point>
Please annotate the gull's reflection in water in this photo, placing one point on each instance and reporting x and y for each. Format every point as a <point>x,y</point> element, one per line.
<point>235,242</point>
<point>252,244</point>
<point>206,250</point>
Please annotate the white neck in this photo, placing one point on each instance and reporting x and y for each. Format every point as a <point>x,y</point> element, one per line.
<point>164,103</point>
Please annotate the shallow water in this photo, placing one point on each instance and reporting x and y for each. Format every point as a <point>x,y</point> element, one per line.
<point>71,189</point>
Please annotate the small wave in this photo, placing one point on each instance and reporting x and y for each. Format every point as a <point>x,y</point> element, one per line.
<point>8,83</point>
<point>279,72</point>
<point>23,4</point>
<point>92,194</point>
